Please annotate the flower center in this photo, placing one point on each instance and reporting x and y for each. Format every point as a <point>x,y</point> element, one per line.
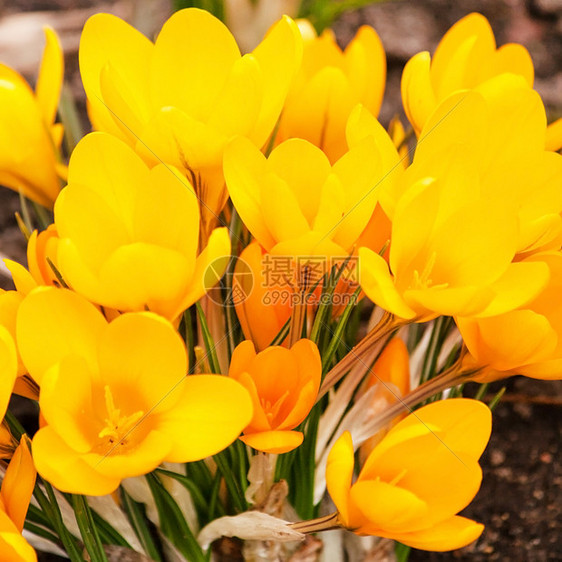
<point>118,426</point>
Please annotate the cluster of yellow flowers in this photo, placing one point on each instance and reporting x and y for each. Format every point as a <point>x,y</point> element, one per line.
<point>272,167</point>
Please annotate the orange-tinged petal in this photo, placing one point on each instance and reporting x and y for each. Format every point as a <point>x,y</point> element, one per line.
<point>515,58</point>
<point>13,546</point>
<point>242,356</point>
<point>211,413</point>
<point>50,77</point>
<point>18,483</point>
<point>53,323</point>
<point>66,469</point>
<point>339,472</point>
<point>273,442</point>
<point>260,421</point>
<point>450,534</point>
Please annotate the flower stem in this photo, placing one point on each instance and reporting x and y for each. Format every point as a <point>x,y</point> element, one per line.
<point>326,523</point>
<point>387,324</point>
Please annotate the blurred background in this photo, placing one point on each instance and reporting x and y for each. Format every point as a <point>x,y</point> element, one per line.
<point>521,498</point>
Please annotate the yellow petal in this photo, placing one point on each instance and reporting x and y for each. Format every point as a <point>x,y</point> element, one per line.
<point>418,96</point>
<point>143,351</point>
<point>106,38</point>
<point>66,402</point>
<point>183,73</point>
<point>210,414</point>
<point>339,472</point>
<point>279,56</point>
<point>450,534</point>
<point>386,507</point>
<point>379,286</point>
<point>8,368</point>
<point>366,67</point>
<point>66,469</point>
<point>53,323</point>
<point>304,168</point>
<point>141,459</point>
<point>50,77</point>
<point>244,169</point>
<point>207,271</point>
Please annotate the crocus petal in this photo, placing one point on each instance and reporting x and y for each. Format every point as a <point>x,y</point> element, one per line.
<point>274,442</point>
<point>211,413</point>
<point>13,546</point>
<point>339,472</point>
<point>136,347</point>
<point>50,77</point>
<point>8,368</point>
<point>66,402</point>
<point>279,56</point>
<point>417,91</point>
<point>66,469</point>
<point>379,286</point>
<point>143,458</point>
<point>207,271</point>
<point>194,85</point>
<point>18,483</point>
<point>107,38</point>
<point>385,506</point>
<point>450,534</point>
<point>244,168</point>
<point>53,323</point>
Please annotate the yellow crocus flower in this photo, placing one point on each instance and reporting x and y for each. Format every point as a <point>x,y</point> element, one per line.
<point>329,84</point>
<point>115,396</point>
<point>417,478</point>
<point>129,235</point>
<point>451,253</point>
<point>179,100</point>
<point>466,57</point>
<point>29,137</point>
<point>526,341</point>
<point>296,203</point>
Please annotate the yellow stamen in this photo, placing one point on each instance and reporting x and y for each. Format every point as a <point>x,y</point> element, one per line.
<point>117,425</point>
